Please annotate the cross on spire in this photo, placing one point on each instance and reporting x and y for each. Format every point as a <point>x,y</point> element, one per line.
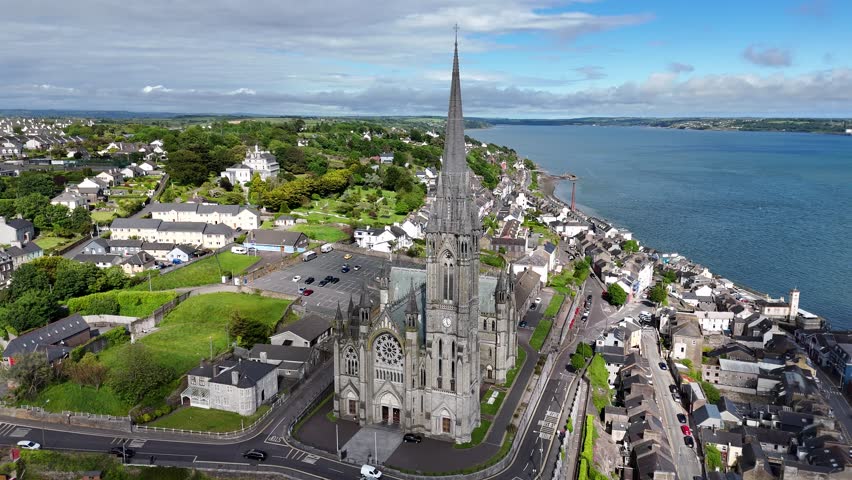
<point>456,28</point>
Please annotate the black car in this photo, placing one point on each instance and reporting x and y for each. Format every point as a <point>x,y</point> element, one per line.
<point>309,280</point>
<point>676,396</point>
<point>122,452</point>
<point>681,418</point>
<point>328,278</point>
<point>412,438</point>
<point>322,283</point>
<point>255,454</point>
<point>689,442</point>
<point>663,366</point>
<point>673,388</point>
<point>589,297</point>
<point>345,269</point>
<point>334,280</point>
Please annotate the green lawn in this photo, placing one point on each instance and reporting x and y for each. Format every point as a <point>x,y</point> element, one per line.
<point>323,233</point>
<point>184,337</point>
<point>326,210</point>
<point>48,242</point>
<point>267,225</point>
<point>102,217</point>
<point>132,304</point>
<point>476,436</point>
<point>202,272</point>
<point>491,409</point>
<point>540,333</point>
<point>554,305</point>
<point>71,397</point>
<point>513,372</point>
<point>191,418</point>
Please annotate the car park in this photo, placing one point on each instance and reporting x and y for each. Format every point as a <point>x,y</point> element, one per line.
<point>412,438</point>
<point>309,280</point>
<point>681,418</point>
<point>255,454</point>
<point>685,430</point>
<point>28,445</point>
<point>122,452</point>
<point>663,366</point>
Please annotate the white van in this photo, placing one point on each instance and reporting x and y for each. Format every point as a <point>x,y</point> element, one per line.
<point>238,249</point>
<point>326,248</point>
<point>369,471</point>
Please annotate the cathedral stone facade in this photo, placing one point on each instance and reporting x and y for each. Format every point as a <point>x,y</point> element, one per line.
<point>418,359</point>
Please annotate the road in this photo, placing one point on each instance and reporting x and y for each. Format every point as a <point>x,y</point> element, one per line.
<point>839,406</point>
<point>685,458</point>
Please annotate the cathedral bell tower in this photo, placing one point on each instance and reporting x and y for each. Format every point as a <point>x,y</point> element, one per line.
<point>452,286</point>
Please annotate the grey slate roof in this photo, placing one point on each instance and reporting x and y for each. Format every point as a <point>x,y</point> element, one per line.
<point>157,247</point>
<point>182,227</point>
<point>309,327</point>
<point>276,237</point>
<point>249,372</point>
<point>25,249</point>
<point>284,353</point>
<point>140,259</point>
<point>19,223</point>
<point>52,334</point>
<point>126,243</point>
<point>142,223</point>
<point>85,258</point>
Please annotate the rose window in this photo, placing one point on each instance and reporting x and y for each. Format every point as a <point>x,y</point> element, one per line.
<point>388,350</point>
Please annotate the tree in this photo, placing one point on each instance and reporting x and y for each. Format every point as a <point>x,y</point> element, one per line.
<point>712,458</point>
<point>585,350</point>
<point>80,220</point>
<point>670,276</point>
<point>659,294</point>
<point>34,182</point>
<point>247,331</point>
<point>74,279</point>
<point>630,246</point>
<point>136,373</point>
<point>711,392</point>
<point>28,278</point>
<point>30,372</point>
<point>31,205</point>
<point>88,372</point>
<point>578,361</point>
<point>35,308</point>
<point>187,167</point>
<point>616,295</point>
<point>225,184</point>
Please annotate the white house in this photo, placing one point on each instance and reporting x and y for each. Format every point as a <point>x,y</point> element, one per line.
<point>383,239</point>
<point>257,161</point>
<point>285,221</point>
<point>414,228</point>
<point>239,387</point>
<point>386,157</point>
<point>131,172</point>
<point>237,174</point>
<point>71,200</point>
<point>306,332</point>
<point>234,216</point>
<point>537,261</point>
<point>180,254</point>
<point>112,176</point>
<point>147,167</point>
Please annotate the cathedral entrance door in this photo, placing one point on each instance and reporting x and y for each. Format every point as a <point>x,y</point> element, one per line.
<point>385,414</point>
<point>396,416</point>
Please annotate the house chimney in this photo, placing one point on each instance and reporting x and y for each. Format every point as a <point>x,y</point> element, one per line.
<point>263,357</point>
<point>235,377</point>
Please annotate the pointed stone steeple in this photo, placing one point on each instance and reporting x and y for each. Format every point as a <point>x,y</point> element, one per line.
<point>364,302</point>
<point>339,321</point>
<point>500,291</point>
<point>412,300</point>
<point>454,209</point>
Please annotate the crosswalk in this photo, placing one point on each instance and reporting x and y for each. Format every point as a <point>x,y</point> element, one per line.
<point>548,426</point>
<point>298,455</point>
<point>128,442</point>
<point>12,430</point>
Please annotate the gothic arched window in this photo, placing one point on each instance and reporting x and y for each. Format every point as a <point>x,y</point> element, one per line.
<point>493,325</point>
<point>448,277</point>
<point>350,361</point>
<point>440,348</point>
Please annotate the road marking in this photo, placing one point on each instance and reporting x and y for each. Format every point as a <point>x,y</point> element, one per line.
<point>137,443</point>
<point>312,459</point>
<point>118,440</point>
<point>335,470</point>
<point>20,432</point>
<point>6,429</point>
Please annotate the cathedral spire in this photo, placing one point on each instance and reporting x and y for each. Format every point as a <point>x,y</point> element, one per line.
<point>412,300</point>
<point>454,152</point>
<point>364,302</point>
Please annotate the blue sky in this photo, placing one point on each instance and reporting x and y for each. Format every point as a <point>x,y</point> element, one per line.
<point>519,58</point>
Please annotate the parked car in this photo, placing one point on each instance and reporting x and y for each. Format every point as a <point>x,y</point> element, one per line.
<point>28,445</point>
<point>347,256</point>
<point>122,452</point>
<point>689,442</point>
<point>238,250</point>
<point>675,396</point>
<point>322,283</point>
<point>412,438</point>
<point>309,280</point>
<point>344,269</point>
<point>663,366</point>
<point>673,388</point>
<point>308,292</point>
<point>334,280</point>
<point>370,472</point>
<point>296,278</point>
<point>589,298</point>
<point>357,267</point>
<point>685,430</point>
<point>681,418</point>
<point>533,305</point>
<point>255,454</point>
<point>537,299</point>
<point>523,323</point>
<point>301,290</point>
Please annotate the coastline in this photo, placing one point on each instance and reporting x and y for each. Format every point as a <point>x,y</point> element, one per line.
<point>547,184</point>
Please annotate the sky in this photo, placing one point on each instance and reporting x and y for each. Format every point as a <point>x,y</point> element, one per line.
<point>519,58</point>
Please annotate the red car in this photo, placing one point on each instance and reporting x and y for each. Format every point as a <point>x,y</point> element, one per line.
<point>308,292</point>
<point>685,430</point>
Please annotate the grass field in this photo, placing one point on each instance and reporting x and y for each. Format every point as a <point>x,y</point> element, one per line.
<point>191,418</point>
<point>323,233</point>
<point>326,210</point>
<point>202,272</point>
<point>554,305</point>
<point>186,334</point>
<point>71,397</point>
<point>540,333</point>
<point>52,243</point>
<point>491,409</point>
<point>476,436</point>
<point>132,304</point>
<point>102,217</point>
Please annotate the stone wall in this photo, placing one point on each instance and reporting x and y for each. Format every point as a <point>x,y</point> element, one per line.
<point>69,418</point>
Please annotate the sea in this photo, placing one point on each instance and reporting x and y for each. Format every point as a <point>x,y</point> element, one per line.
<point>770,211</point>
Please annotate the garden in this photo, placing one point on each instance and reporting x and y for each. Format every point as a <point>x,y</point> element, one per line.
<point>200,272</point>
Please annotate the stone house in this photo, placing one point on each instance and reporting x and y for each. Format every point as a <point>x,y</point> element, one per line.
<point>234,386</point>
<point>687,342</point>
<point>56,340</point>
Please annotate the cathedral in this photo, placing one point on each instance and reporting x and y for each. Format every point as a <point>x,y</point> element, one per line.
<point>419,359</point>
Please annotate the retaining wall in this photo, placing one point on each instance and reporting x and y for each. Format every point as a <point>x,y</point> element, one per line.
<point>69,418</point>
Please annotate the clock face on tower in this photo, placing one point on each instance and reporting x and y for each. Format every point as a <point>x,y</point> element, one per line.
<point>447,322</point>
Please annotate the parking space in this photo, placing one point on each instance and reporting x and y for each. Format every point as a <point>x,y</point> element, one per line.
<point>533,316</point>
<point>324,299</point>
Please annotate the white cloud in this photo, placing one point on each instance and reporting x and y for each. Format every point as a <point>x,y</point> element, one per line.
<point>242,91</point>
<point>155,88</point>
<point>677,67</point>
<point>768,57</point>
